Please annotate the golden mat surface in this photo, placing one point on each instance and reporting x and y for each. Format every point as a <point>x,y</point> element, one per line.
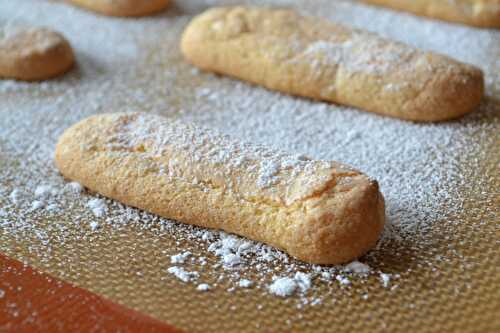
<point>449,267</point>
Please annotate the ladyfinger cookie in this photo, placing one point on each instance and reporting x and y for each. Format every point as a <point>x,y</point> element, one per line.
<point>124,8</point>
<point>318,211</point>
<point>33,54</point>
<point>479,13</point>
<point>311,57</point>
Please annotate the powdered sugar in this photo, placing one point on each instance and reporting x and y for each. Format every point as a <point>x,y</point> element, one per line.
<point>244,283</point>
<point>363,52</point>
<point>343,280</point>
<point>16,196</point>
<point>303,280</point>
<point>94,225</point>
<point>386,279</point>
<point>45,191</point>
<point>180,258</point>
<point>232,259</point>
<point>203,287</point>
<point>242,168</point>
<point>75,187</point>
<point>37,204</point>
<point>182,274</point>
<point>283,286</point>
<point>357,267</point>
<point>286,286</point>
<point>97,206</point>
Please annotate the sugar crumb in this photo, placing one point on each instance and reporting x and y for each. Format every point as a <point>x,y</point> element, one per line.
<point>385,279</point>
<point>203,287</point>
<point>283,287</point>
<point>97,206</point>
<point>94,225</point>
<point>182,274</point>
<point>244,283</point>
<point>180,258</point>
<point>357,267</point>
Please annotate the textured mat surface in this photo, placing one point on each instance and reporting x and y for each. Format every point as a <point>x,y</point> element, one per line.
<point>443,254</point>
<point>35,302</point>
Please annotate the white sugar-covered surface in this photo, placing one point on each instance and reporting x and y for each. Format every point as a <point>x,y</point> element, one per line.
<point>428,173</point>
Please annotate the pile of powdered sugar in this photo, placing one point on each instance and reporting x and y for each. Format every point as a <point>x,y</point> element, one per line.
<point>135,65</point>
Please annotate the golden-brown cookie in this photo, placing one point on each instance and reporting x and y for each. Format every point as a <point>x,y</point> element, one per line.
<point>318,211</point>
<point>311,57</point>
<point>123,7</point>
<point>479,13</point>
<point>34,54</point>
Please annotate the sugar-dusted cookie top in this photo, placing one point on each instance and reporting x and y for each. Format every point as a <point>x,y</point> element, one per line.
<point>312,57</point>
<point>204,157</point>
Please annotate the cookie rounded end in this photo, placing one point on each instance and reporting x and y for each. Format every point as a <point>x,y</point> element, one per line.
<point>348,227</point>
<point>448,95</point>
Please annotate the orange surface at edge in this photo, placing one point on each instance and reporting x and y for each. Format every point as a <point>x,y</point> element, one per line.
<point>33,301</point>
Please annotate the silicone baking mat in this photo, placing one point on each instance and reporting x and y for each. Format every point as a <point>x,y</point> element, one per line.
<point>444,267</point>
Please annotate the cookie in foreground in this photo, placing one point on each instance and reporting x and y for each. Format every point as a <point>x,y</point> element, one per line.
<point>126,8</point>
<point>34,54</point>
<point>479,13</point>
<point>320,212</point>
<point>311,57</point>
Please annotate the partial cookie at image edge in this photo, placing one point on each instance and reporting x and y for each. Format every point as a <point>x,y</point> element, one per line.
<point>33,54</point>
<point>123,8</point>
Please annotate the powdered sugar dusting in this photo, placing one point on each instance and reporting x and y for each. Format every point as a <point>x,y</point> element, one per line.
<point>244,283</point>
<point>358,267</point>
<point>182,274</point>
<point>241,167</point>
<point>283,286</point>
<point>180,258</point>
<point>203,287</point>
<point>97,206</point>
<point>362,52</point>
<point>26,40</point>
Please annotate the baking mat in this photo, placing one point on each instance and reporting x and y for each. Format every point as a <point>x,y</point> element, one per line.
<point>35,302</point>
<point>440,181</point>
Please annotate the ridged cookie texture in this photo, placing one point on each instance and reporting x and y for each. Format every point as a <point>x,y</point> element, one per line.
<point>125,8</point>
<point>32,53</point>
<point>479,13</point>
<point>311,57</point>
<point>318,211</point>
